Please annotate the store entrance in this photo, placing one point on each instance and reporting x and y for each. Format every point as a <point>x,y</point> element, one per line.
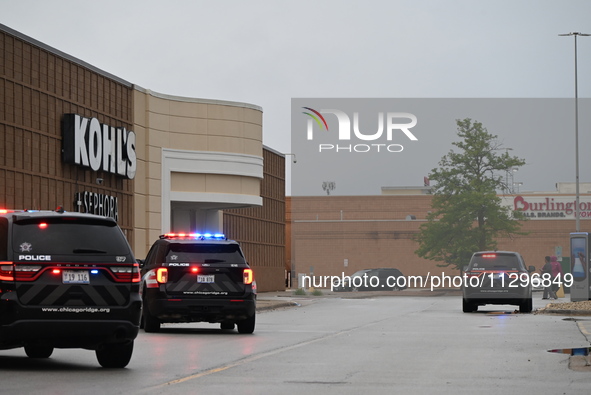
<point>194,218</point>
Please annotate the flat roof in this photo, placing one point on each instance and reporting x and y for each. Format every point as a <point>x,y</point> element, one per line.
<point>64,55</point>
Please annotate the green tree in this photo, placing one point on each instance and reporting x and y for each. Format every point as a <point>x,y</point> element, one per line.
<point>467,214</point>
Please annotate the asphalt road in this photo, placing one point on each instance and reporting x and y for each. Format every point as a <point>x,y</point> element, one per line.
<point>376,345</point>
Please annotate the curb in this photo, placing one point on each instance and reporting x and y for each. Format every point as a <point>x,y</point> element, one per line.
<point>273,301</point>
<point>566,312</point>
<point>274,305</point>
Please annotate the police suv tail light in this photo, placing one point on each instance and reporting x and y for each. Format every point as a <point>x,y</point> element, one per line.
<point>474,274</point>
<point>12,272</point>
<point>26,272</point>
<point>127,273</point>
<point>162,275</point>
<point>137,277</point>
<point>248,276</point>
<point>6,271</point>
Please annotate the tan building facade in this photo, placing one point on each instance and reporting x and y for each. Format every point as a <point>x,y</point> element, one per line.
<point>75,136</point>
<point>197,157</point>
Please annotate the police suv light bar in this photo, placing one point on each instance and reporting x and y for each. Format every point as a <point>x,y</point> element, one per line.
<point>196,236</point>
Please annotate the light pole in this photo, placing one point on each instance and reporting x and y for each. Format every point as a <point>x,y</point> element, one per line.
<point>577,209</point>
<point>509,188</point>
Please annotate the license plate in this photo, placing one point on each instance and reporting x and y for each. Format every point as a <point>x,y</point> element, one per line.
<point>75,277</point>
<point>206,279</point>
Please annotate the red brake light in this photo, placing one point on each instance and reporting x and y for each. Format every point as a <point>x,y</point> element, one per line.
<point>19,272</point>
<point>474,274</point>
<point>43,225</point>
<point>56,271</point>
<point>6,271</point>
<point>127,273</point>
<point>248,276</point>
<point>489,255</point>
<point>137,277</point>
<point>194,269</point>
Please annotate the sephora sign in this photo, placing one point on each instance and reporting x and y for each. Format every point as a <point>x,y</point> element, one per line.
<point>88,143</point>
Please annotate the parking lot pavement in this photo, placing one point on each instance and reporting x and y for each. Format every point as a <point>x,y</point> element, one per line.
<point>289,298</point>
<point>585,327</point>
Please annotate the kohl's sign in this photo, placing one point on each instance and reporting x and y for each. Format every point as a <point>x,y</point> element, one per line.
<point>88,143</point>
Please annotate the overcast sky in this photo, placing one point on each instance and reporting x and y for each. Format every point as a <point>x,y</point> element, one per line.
<point>266,52</point>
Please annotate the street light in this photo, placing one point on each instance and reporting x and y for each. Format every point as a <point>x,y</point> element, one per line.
<point>517,184</point>
<point>329,186</point>
<point>577,209</point>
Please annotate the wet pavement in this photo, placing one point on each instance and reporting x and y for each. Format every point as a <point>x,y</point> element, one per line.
<point>291,298</point>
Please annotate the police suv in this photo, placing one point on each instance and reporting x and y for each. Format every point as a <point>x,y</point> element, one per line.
<point>67,280</point>
<point>197,278</point>
<point>497,277</point>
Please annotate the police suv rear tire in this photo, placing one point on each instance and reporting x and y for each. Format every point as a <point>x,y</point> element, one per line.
<point>468,307</point>
<point>115,355</point>
<point>37,351</point>
<point>247,325</point>
<point>526,306</point>
<point>150,323</point>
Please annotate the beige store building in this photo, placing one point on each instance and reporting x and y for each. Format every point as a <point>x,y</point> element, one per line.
<point>196,158</point>
<point>79,137</point>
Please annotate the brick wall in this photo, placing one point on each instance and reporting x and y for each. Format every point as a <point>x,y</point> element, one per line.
<point>38,85</point>
<point>261,230</point>
<point>373,231</point>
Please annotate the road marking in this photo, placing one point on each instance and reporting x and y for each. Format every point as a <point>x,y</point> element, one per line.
<point>258,356</point>
<point>584,327</point>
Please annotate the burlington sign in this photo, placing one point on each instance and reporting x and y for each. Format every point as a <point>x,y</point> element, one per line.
<point>88,143</point>
<point>546,207</point>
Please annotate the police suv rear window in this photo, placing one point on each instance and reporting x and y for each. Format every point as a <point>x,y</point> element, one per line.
<point>495,262</point>
<point>67,236</point>
<point>204,253</point>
